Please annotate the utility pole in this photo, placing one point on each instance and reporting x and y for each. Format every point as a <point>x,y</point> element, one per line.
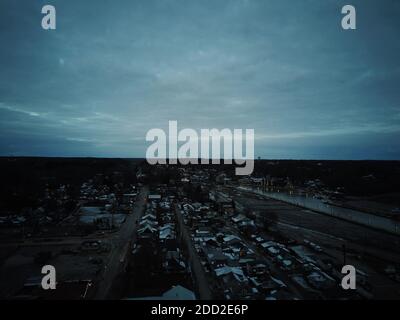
<point>89,284</point>
<point>112,217</point>
<point>344,254</point>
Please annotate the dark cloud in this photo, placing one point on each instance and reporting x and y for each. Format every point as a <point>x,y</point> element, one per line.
<point>113,70</point>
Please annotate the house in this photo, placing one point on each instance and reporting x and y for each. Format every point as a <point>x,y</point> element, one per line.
<point>165,205</point>
<point>149,216</point>
<point>273,251</point>
<point>203,231</point>
<point>154,197</point>
<point>215,257</point>
<point>167,232</point>
<point>231,239</point>
<point>178,293</point>
<point>150,222</point>
<point>147,230</point>
<point>237,272</point>
<point>175,293</point>
<point>238,218</point>
<point>320,280</point>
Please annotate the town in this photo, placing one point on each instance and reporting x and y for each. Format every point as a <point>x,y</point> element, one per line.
<point>123,229</point>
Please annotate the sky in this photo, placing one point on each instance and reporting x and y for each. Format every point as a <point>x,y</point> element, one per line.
<point>113,70</point>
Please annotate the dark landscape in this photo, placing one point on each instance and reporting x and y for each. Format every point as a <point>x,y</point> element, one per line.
<point>122,229</point>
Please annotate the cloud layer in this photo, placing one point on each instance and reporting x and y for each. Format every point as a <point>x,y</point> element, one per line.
<point>113,70</point>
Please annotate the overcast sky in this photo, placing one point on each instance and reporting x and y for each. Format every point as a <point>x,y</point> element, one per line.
<point>112,70</point>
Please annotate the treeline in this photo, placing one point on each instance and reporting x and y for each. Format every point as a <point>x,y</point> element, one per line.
<point>23,180</point>
<point>361,178</point>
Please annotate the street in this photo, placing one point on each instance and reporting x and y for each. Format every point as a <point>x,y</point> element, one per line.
<point>120,247</point>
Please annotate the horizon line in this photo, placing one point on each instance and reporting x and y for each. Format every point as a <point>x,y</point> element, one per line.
<point>209,159</point>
